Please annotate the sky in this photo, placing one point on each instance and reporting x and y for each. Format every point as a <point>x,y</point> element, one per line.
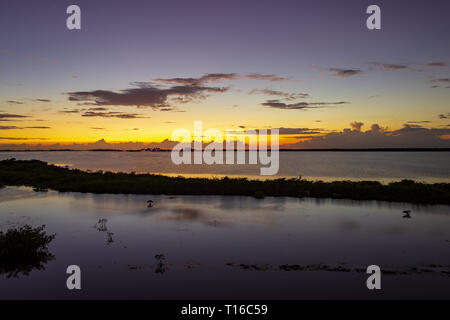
<point>138,70</point>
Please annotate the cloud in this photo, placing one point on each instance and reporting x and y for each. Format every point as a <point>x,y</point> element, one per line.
<point>441,80</point>
<point>98,109</point>
<point>6,147</point>
<point>409,136</point>
<point>207,78</point>
<point>146,94</point>
<point>300,105</point>
<point>218,77</point>
<point>43,100</point>
<point>344,73</point>
<point>97,128</point>
<point>113,114</point>
<point>15,127</point>
<point>71,111</point>
<point>292,131</point>
<point>356,125</point>
<point>416,122</point>
<point>390,66</point>
<point>9,116</point>
<point>444,116</point>
<point>37,127</point>
<point>266,77</point>
<point>14,102</point>
<point>437,64</point>
<point>288,96</point>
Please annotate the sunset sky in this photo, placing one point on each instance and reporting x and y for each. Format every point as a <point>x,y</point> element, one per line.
<point>137,70</point>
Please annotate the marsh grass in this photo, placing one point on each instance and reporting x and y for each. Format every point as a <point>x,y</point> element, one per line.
<point>24,249</point>
<point>42,176</point>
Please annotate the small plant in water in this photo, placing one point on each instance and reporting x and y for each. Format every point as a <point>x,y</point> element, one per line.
<point>24,249</point>
<point>160,267</point>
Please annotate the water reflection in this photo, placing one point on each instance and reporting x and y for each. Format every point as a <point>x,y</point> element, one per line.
<point>193,239</point>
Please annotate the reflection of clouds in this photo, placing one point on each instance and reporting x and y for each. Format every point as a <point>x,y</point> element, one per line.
<point>348,224</point>
<point>394,230</point>
<point>190,215</point>
<point>184,214</point>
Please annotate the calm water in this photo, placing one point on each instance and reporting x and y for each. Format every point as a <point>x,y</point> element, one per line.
<point>209,240</point>
<point>383,166</point>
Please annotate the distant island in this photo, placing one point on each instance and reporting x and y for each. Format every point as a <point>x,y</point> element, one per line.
<point>281,149</point>
<point>43,176</point>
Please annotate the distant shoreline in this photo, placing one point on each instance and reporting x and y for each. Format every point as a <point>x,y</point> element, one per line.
<point>42,176</point>
<point>281,150</point>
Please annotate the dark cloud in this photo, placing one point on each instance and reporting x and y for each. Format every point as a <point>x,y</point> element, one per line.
<point>15,138</point>
<point>265,77</point>
<point>390,66</point>
<point>356,125</point>
<point>437,64</point>
<point>300,105</point>
<point>37,127</point>
<point>292,131</point>
<point>43,100</point>
<point>207,78</point>
<point>15,127</point>
<point>97,128</point>
<point>344,73</point>
<point>98,109</point>
<point>9,116</point>
<point>145,95</point>
<point>112,114</point>
<point>288,96</point>
<point>416,122</point>
<point>441,80</point>
<point>14,102</point>
<point>444,116</point>
<point>70,111</point>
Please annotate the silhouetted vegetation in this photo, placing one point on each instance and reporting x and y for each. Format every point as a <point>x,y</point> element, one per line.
<point>24,249</point>
<point>38,174</point>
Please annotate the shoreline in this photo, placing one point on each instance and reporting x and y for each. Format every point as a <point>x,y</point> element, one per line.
<point>42,176</point>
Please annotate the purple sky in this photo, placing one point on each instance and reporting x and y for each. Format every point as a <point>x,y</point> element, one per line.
<point>310,42</point>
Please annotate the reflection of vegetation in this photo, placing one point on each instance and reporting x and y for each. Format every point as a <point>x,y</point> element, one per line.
<point>24,249</point>
<point>443,270</point>
<point>160,267</point>
<point>41,175</point>
<point>100,225</point>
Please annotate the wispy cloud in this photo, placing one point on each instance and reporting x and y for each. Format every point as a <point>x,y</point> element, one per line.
<point>437,64</point>
<point>300,105</point>
<point>288,96</point>
<point>16,128</point>
<point>344,73</point>
<point>207,78</point>
<point>11,116</point>
<point>113,114</point>
<point>266,77</point>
